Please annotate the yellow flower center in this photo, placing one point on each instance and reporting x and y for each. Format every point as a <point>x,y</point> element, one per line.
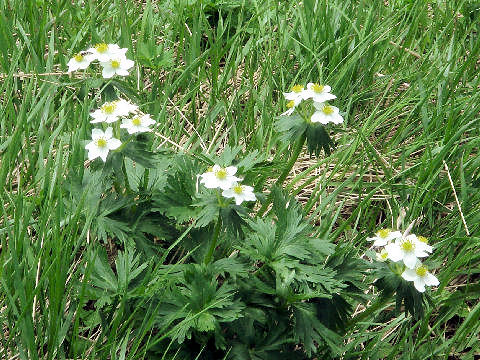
<point>297,88</point>
<point>290,104</point>
<point>137,121</point>
<point>327,110</point>
<point>384,254</point>
<point>238,189</point>
<point>383,233</point>
<point>78,57</point>
<point>317,88</point>
<point>101,143</point>
<point>115,64</point>
<point>407,245</point>
<point>109,107</point>
<point>221,174</point>
<point>421,271</point>
<point>422,239</point>
<point>101,48</point>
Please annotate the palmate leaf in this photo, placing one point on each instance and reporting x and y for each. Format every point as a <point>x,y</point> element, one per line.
<point>290,127</point>
<point>105,224</point>
<point>200,303</point>
<point>393,285</point>
<point>175,200</point>
<point>311,332</point>
<point>318,139</point>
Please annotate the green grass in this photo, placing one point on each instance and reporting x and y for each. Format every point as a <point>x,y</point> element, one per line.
<point>212,74</point>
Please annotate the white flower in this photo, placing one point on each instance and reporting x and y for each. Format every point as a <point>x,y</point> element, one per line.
<point>125,107</point>
<point>326,114</point>
<point>112,110</point>
<point>318,93</point>
<point>219,177</point>
<point>296,95</point>
<point>117,64</point>
<point>420,277</point>
<point>138,123</point>
<point>408,249</point>
<point>79,61</point>
<point>241,193</point>
<point>104,52</point>
<point>384,236</point>
<point>101,144</point>
<point>291,105</point>
<point>382,256</point>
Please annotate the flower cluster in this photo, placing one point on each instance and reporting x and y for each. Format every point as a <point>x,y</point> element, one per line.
<point>225,179</point>
<point>132,120</point>
<point>111,57</point>
<point>320,95</point>
<point>407,249</point>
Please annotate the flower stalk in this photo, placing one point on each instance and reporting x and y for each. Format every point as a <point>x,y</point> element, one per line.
<point>288,167</point>
<point>213,244</point>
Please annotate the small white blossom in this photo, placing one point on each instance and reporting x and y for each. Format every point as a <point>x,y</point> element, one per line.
<point>408,249</point>
<point>219,177</point>
<point>241,193</point>
<point>110,111</point>
<point>101,144</point>
<point>318,93</point>
<point>382,256</point>
<point>420,277</point>
<point>291,105</point>
<point>117,64</point>
<point>137,124</point>
<point>104,52</point>
<point>296,95</point>
<point>384,236</point>
<point>79,61</point>
<point>326,114</point>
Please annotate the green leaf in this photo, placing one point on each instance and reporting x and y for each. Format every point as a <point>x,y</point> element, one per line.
<point>291,127</point>
<point>318,139</point>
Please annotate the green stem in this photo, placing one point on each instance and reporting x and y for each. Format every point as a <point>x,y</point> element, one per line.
<point>288,167</point>
<point>127,183</point>
<point>213,244</point>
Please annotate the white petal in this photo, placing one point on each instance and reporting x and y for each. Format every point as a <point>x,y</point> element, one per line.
<point>103,155</point>
<point>122,72</point>
<point>409,275</point>
<point>378,241</point>
<point>98,116</point>
<point>108,72</point>
<point>114,144</point>
<point>319,116</point>
<point>394,235</point>
<point>97,133</point>
<point>111,118</point>
<point>93,154</point>
<point>431,280</point>
<point>394,252</point>
<point>322,97</point>
<point>127,64</point>
<point>337,118</point>
<point>419,284</point>
<point>410,260</point>
<point>231,170</point>
<point>250,197</point>
<point>108,132</point>
<point>91,146</point>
